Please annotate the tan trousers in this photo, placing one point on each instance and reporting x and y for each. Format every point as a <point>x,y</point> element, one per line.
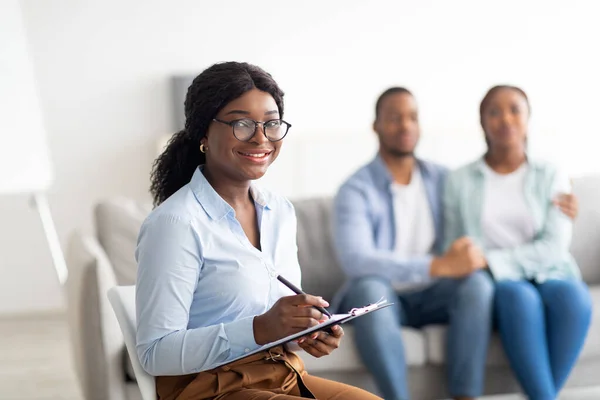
<point>273,375</point>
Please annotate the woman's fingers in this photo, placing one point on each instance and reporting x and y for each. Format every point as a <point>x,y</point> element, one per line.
<point>315,348</point>
<point>321,343</point>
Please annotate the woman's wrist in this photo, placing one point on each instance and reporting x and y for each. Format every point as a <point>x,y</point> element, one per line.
<point>257,327</point>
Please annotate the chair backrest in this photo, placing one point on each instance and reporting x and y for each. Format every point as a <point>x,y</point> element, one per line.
<point>122,299</point>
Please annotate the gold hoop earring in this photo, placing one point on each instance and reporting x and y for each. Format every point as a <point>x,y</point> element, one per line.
<point>203,148</point>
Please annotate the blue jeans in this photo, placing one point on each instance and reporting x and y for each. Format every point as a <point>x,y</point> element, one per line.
<point>543,328</point>
<point>465,304</point>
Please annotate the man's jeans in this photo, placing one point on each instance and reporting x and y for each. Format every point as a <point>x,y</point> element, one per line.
<point>465,304</point>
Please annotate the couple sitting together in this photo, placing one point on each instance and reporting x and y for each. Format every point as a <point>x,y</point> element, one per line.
<point>484,247</point>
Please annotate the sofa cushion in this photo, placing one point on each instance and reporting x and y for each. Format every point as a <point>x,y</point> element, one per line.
<point>586,230</point>
<point>118,223</point>
<point>321,274</point>
<point>591,348</point>
<point>346,357</point>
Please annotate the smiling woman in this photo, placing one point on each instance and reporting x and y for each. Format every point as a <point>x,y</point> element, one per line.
<point>209,254</point>
<point>204,108</point>
<point>235,147</point>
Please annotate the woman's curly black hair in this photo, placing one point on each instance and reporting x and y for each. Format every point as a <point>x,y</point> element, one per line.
<point>210,91</point>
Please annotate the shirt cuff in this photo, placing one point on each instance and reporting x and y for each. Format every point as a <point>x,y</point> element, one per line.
<point>422,273</point>
<point>416,272</point>
<point>240,335</point>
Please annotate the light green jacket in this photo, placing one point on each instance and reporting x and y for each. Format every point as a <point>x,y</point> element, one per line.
<point>547,256</point>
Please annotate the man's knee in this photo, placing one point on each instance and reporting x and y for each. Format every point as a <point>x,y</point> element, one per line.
<point>370,286</point>
<point>368,290</point>
<point>477,290</point>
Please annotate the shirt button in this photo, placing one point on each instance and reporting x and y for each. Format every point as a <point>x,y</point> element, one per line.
<point>246,350</point>
<point>273,274</point>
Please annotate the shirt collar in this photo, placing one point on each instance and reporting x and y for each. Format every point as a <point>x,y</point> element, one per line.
<point>481,166</point>
<point>212,203</point>
<point>415,176</point>
<point>383,177</point>
<point>381,174</point>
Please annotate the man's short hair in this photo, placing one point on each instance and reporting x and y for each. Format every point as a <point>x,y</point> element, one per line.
<point>389,92</point>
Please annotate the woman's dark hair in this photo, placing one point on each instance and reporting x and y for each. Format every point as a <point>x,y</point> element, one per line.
<point>210,91</point>
<point>490,94</point>
<point>488,97</point>
<point>388,92</point>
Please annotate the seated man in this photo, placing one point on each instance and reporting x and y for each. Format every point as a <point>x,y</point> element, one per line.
<point>388,239</point>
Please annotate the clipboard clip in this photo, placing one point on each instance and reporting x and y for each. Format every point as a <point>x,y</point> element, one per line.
<point>370,307</point>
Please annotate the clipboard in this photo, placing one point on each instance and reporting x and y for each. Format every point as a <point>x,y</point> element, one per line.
<point>336,319</point>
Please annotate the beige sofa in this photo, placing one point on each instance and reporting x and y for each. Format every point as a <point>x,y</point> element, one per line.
<point>98,262</point>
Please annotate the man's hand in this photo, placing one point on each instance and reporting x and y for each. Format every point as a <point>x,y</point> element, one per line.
<point>320,344</point>
<point>289,315</point>
<point>461,259</point>
<point>568,204</point>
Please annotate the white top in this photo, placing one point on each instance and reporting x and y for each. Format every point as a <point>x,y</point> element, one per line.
<point>415,232</point>
<point>506,220</point>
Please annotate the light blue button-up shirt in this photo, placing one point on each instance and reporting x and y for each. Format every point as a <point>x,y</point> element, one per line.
<point>201,282</point>
<point>365,229</point>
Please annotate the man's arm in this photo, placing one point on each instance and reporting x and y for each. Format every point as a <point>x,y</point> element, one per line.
<point>355,246</point>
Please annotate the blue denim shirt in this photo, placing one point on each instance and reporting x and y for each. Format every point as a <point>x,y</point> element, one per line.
<point>364,225</point>
<point>201,282</point>
<point>547,256</point>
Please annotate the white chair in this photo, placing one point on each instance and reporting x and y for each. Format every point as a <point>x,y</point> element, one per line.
<point>122,299</point>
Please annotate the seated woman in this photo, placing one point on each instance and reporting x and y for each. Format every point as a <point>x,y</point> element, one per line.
<point>209,254</point>
<point>505,203</point>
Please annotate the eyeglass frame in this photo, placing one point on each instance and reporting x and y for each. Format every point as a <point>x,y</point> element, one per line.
<point>256,124</point>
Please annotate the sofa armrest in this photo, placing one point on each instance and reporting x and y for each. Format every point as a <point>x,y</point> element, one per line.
<point>95,334</point>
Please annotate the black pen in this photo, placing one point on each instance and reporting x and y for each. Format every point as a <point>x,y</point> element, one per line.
<point>298,291</point>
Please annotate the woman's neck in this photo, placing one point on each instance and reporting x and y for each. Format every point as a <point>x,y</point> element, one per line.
<point>505,160</point>
<point>235,193</point>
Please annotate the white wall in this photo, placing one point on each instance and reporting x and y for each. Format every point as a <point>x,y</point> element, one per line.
<point>103,70</point>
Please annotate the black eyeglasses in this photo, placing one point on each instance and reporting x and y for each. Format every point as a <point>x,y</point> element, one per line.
<point>245,128</point>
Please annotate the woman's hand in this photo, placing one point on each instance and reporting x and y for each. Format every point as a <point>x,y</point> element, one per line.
<point>289,315</point>
<point>320,344</point>
<point>568,204</point>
